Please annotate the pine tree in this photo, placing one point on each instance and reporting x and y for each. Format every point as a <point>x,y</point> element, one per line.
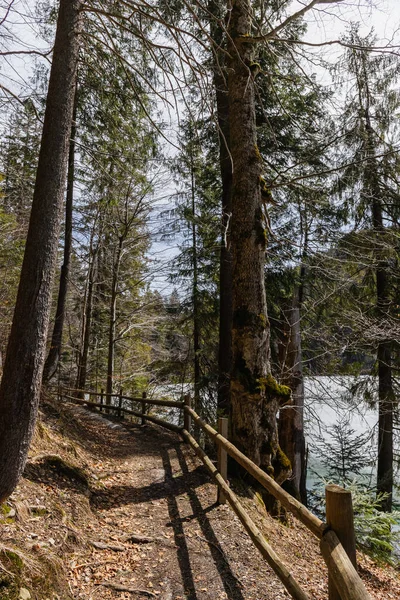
<point>370,132</point>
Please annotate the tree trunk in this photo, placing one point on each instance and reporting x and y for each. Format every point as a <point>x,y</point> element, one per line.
<point>21,382</point>
<point>255,395</point>
<point>113,314</point>
<point>86,324</point>
<point>195,295</point>
<point>225,279</point>
<point>291,418</point>
<point>53,357</point>
<point>385,437</point>
<point>384,348</point>
<point>384,358</point>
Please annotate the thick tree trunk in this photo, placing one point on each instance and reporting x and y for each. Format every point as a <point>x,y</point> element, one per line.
<point>291,418</point>
<point>255,395</point>
<point>225,279</point>
<point>21,382</point>
<point>53,357</point>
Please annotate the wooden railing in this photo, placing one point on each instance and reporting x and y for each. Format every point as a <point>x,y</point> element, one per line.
<point>344,581</point>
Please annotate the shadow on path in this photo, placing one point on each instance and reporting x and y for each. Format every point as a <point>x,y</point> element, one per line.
<point>191,479</point>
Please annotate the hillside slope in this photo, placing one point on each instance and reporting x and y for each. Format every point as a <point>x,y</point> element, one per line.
<point>122,511</point>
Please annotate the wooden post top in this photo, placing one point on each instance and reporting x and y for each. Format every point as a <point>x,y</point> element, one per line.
<point>337,489</point>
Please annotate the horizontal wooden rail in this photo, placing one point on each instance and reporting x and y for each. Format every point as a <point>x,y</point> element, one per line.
<point>155,420</point>
<point>154,401</point>
<point>89,402</point>
<point>312,522</point>
<point>341,570</point>
<point>256,536</point>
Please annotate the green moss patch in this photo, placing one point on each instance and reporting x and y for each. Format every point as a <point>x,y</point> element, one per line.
<point>273,389</point>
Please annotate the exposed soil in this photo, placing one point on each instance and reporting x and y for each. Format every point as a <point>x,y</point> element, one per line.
<point>104,504</point>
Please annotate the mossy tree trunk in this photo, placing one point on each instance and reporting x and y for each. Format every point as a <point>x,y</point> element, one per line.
<point>255,396</point>
<point>22,376</point>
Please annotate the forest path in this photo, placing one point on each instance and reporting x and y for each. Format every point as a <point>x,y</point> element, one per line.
<point>94,487</point>
<point>150,484</point>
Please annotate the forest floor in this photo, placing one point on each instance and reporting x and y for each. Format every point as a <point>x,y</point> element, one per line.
<point>122,511</point>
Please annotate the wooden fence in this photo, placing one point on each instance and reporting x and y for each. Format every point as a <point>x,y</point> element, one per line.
<point>336,536</point>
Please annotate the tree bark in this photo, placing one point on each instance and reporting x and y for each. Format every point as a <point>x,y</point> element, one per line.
<point>386,396</point>
<point>21,381</point>
<point>113,316</point>
<point>87,321</point>
<point>291,418</point>
<point>195,299</point>
<point>255,395</point>
<point>53,357</point>
<point>385,427</point>
<point>225,279</point>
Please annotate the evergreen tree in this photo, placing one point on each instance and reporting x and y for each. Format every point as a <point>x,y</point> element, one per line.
<point>196,267</point>
<point>343,453</point>
<point>369,187</point>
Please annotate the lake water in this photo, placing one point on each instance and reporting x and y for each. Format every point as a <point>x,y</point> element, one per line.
<point>330,401</point>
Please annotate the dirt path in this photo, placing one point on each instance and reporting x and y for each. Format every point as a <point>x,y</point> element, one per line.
<point>154,487</point>
<point>144,482</point>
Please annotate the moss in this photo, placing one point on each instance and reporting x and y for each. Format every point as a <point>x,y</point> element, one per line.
<point>263,320</point>
<point>15,560</point>
<point>282,460</point>
<point>259,499</point>
<point>5,509</point>
<point>257,153</point>
<point>261,233</point>
<point>5,516</point>
<point>272,388</point>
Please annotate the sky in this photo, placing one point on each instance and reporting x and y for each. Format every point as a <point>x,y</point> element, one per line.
<point>326,22</point>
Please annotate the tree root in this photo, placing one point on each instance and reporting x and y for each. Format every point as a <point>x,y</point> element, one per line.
<point>124,588</point>
<point>103,546</point>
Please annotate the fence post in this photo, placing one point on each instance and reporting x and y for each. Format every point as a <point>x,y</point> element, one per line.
<point>340,518</point>
<point>222,464</point>
<point>120,404</point>
<point>143,420</point>
<point>101,399</point>
<point>187,419</point>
